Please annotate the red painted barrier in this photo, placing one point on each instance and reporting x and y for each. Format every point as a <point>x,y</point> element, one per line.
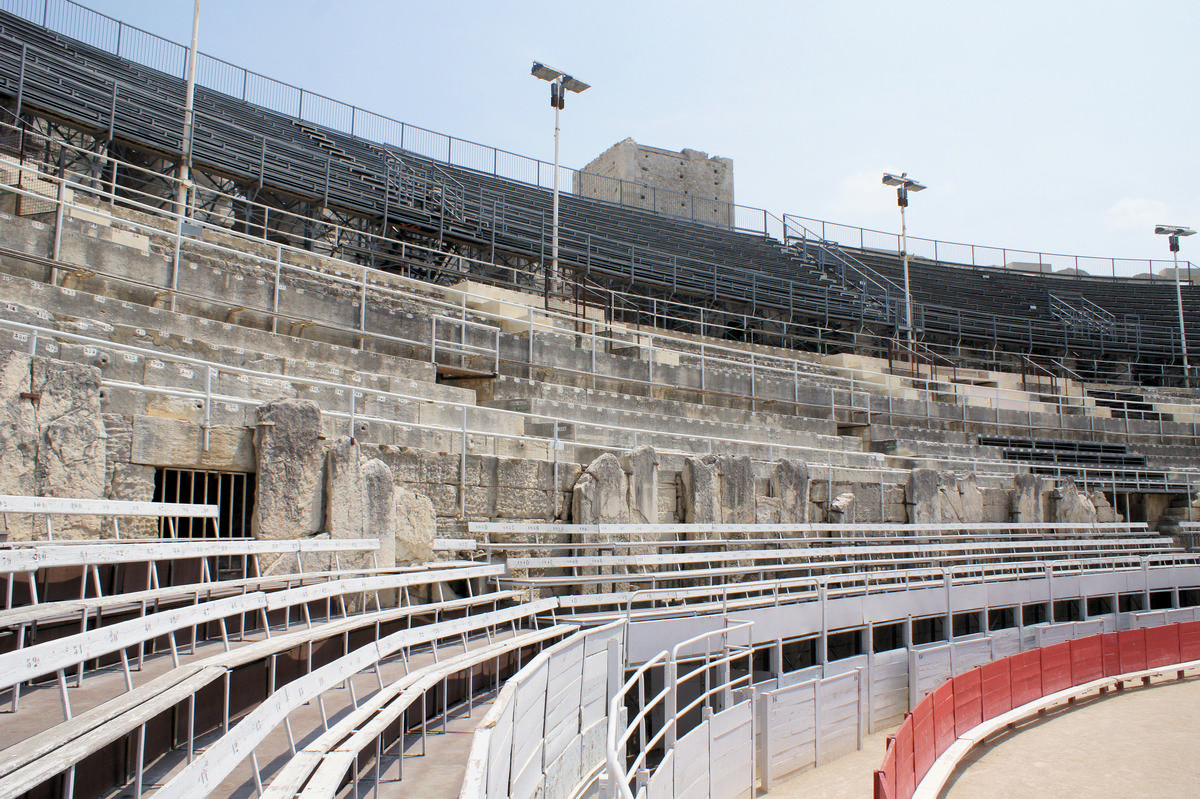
<point>906,775</point>
<point>986,692</point>
<point>1162,646</point>
<point>943,717</point>
<point>1087,659</point>
<point>1026,677</point>
<point>885,777</point>
<point>1111,642</point>
<point>996,684</point>
<point>968,702</point>
<point>1056,668</point>
<point>1189,640</point>
<point>1132,644</point>
<point>924,752</point>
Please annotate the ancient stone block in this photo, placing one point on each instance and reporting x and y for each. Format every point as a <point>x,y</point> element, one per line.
<point>1105,513</point>
<point>701,490</point>
<point>789,485</point>
<point>841,510</point>
<point>1071,505</point>
<point>1027,502</point>
<point>416,525</point>
<point>600,494</point>
<point>290,490</point>
<point>641,468</point>
<point>379,509</point>
<point>924,497</point>
<point>344,495</point>
<point>737,489</point>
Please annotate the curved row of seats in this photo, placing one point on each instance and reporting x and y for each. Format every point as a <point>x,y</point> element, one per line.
<point>680,259</point>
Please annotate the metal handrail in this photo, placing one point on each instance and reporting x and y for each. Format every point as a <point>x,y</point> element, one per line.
<point>618,775</point>
<point>162,54</point>
<point>736,357</point>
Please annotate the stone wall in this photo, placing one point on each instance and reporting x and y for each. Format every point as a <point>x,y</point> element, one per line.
<point>687,183</point>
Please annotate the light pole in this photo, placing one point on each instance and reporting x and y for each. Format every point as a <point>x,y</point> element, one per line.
<point>904,184</point>
<point>189,108</point>
<point>560,84</point>
<point>1173,232</point>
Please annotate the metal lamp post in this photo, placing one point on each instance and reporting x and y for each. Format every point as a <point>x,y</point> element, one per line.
<point>560,84</point>
<point>1173,233</point>
<point>185,147</point>
<point>904,184</point>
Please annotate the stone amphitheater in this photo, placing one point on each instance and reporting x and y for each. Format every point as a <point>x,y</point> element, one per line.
<point>324,489</point>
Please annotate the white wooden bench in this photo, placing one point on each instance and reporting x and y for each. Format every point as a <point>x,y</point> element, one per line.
<point>323,762</point>
<point>219,760</point>
<point>58,749</point>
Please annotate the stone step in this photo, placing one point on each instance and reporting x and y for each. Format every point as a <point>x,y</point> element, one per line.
<point>512,389</point>
<point>340,364</point>
<point>585,415</point>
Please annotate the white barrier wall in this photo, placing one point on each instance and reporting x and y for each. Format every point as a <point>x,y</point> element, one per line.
<point>548,723</point>
<point>809,724</point>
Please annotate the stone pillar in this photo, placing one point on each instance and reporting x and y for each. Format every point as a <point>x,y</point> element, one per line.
<point>600,495</point>
<point>416,525</point>
<point>290,465</point>
<point>789,485</point>
<point>641,469</point>
<point>19,436</point>
<point>701,490</point>
<point>344,493</point>
<point>924,497</point>
<point>379,509</point>
<point>737,489</point>
<point>1026,499</point>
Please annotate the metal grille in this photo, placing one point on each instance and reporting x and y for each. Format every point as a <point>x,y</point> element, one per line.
<point>232,491</point>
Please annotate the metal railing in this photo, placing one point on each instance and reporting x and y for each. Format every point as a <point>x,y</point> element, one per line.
<point>707,356</point>
<point>711,684</point>
<point>110,35</point>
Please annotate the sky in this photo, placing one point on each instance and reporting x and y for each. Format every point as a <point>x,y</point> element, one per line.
<point>1052,126</point>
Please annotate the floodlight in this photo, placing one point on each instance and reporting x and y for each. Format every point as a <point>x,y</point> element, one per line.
<point>902,180</point>
<point>904,184</point>
<point>1173,230</point>
<point>560,84</point>
<point>574,84</point>
<point>544,72</point>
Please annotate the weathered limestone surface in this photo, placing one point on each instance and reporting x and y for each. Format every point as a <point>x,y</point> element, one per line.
<point>1071,505</point>
<point>789,485</point>
<point>345,513</point>
<point>19,434</point>
<point>1105,512</point>
<point>961,499</point>
<point>737,489</point>
<point>52,442</point>
<point>415,527</point>
<point>841,511</point>
<point>379,509</point>
<point>160,441</point>
<point>924,497</point>
<point>1027,499</point>
<point>935,497</point>
<point>71,453</point>
<point>641,468</point>
<point>290,489</point>
<point>701,490</point>
<point>601,493</point>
